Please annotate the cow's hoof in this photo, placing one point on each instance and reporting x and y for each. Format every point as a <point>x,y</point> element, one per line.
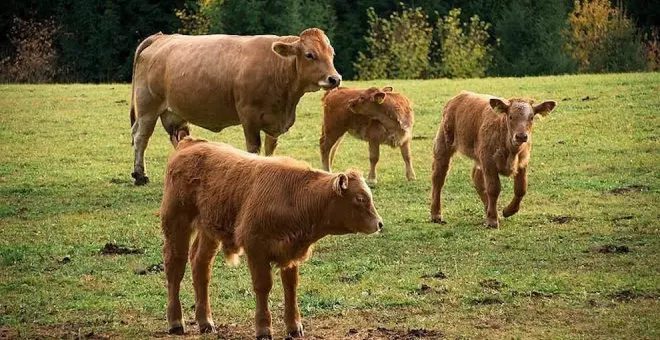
<point>492,224</point>
<point>438,219</point>
<point>264,337</point>
<point>509,212</point>
<point>207,329</point>
<point>296,334</point>
<point>140,179</point>
<point>178,330</point>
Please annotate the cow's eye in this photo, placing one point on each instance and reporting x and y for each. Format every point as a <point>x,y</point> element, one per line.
<point>310,56</point>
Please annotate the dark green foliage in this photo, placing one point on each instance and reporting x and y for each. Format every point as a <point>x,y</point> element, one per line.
<point>530,39</point>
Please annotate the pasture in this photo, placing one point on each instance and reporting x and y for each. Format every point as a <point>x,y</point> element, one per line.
<point>580,260</point>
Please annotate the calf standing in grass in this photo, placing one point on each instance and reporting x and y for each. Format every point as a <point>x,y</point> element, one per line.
<point>272,208</point>
<point>497,135</point>
<point>373,115</point>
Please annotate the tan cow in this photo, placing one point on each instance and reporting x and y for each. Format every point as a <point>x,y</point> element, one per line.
<point>272,208</point>
<point>494,132</point>
<point>373,115</point>
<point>216,81</point>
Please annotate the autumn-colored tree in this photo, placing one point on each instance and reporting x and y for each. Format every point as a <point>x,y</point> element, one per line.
<point>34,54</point>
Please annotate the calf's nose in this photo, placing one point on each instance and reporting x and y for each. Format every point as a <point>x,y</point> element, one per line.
<point>380,225</point>
<point>334,80</point>
<point>521,137</point>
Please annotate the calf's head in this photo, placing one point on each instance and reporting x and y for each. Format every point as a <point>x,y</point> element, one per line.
<point>384,105</point>
<point>314,59</point>
<point>519,114</point>
<point>352,208</point>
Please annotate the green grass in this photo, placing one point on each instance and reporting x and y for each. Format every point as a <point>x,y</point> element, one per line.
<point>65,190</point>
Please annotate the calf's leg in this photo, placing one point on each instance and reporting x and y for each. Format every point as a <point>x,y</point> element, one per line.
<point>407,159</point>
<point>493,188</point>
<point>175,126</point>
<point>252,137</point>
<point>177,231</point>
<point>442,153</point>
<point>201,259</point>
<point>262,282</point>
<point>294,327</point>
<point>519,191</point>
<point>328,144</point>
<point>479,185</point>
<point>374,156</point>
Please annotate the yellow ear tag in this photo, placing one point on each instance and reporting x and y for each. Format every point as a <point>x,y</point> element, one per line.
<point>380,100</point>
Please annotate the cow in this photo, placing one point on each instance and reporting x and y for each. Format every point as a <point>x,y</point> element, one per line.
<point>216,81</point>
<point>379,116</point>
<point>273,209</point>
<point>496,134</point>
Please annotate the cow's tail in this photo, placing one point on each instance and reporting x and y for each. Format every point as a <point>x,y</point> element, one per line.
<point>144,44</point>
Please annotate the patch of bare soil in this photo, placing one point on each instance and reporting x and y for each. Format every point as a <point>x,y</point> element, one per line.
<point>629,295</point>
<point>608,249</point>
<point>113,249</point>
<point>397,334</point>
<point>487,300</point>
<point>438,275</point>
<point>584,99</point>
<point>7,333</point>
<point>420,137</point>
<point>629,188</point>
<point>426,289</point>
<point>153,269</point>
<point>492,284</point>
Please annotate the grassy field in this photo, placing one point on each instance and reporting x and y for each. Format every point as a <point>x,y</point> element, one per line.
<point>580,260</point>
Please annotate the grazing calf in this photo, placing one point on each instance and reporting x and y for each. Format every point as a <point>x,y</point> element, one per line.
<point>373,115</point>
<point>272,208</point>
<point>497,135</point>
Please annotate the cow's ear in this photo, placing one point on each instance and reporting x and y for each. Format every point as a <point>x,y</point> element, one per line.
<point>545,108</point>
<point>379,97</point>
<point>285,50</point>
<point>388,89</point>
<point>340,184</point>
<point>499,105</point>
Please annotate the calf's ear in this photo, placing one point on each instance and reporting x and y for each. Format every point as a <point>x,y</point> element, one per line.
<point>388,89</point>
<point>379,97</point>
<point>285,50</point>
<point>499,105</point>
<point>545,108</point>
<point>340,183</point>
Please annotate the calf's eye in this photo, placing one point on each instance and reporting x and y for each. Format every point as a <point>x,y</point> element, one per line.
<point>309,55</point>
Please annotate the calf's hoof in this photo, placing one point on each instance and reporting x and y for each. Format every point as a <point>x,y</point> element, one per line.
<point>178,330</point>
<point>509,212</point>
<point>140,179</point>
<point>372,182</point>
<point>438,219</point>
<point>264,337</point>
<point>298,333</point>
<point>490,223</point>
<point>205,329</point>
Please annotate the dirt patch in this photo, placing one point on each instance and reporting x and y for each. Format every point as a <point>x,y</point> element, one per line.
<point>64,260</point>
<point>396,334</point>
<point>426,289</point>
<point>492,284</point>
<point>536,294</point>
<point>113,249</point>
<point>420,137</point>
<point>584,99</point>
<point>563,219</point>
<point>153,269</point>
<point>350,278</point>
<point>486,300</point>
<point>8,333</point>
<point>120,181</point>
<point>629,188</point>
<point>629,295</point>
<point>438,275</point>
<point>608,249</point>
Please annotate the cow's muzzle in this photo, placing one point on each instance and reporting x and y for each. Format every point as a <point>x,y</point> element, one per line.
<point>331,82</point>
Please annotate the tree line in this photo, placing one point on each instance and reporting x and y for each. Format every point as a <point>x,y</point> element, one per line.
<point>94,40</point>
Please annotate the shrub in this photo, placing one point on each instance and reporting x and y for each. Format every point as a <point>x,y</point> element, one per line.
<point>652,46</point>
<point>603,39</point>
<point>397,47</point>
<point>463,47</point>
<point>34,55</point>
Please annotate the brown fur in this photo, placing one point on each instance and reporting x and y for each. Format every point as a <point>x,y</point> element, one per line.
<point>497,135</point>
<point>216,81</point>
<point>373,115</point>
<point>272,208</point>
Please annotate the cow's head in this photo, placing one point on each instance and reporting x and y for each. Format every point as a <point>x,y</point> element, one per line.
<point>314,59</point>
<point>352,210</point>
<point>383,105</point>
<point>519,114</point>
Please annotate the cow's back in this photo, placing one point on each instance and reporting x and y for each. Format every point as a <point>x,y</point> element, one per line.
<point>463,117</point>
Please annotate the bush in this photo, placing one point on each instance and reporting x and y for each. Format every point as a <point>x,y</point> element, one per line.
<point>34,55</point>
<point>397,47</point>
<point>603,39</point>
<point>652,46</point>
<point>463,47</point>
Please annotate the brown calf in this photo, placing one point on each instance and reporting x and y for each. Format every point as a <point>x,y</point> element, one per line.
<point>373,115</point>
<point>497,135</point>
<point>272,208</point>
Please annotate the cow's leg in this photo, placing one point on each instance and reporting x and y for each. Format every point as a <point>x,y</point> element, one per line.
<point>294,327</point>
<point>334,150</point>
<point>328,144</point>
<point>147,112</point>
<point>479,185</point>
<point>269,145</point>
<point>252,138</point>
<point>493,188</point>
<point>442,153</point>
<point>175,126</point>
<point>262,282</point>
<point>519,191</point>
<point>177,231</point>
<point>407,159</point>
<point>201,259</point>
<point>374,156</point>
